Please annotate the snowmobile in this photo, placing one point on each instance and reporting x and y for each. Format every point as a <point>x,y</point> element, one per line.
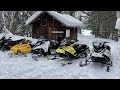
<point>44,48</point>
<point>6,44</point>
<point>53,46</point>
<point>41,48</point>
<point>1,41</point>
<point>101,53</point>
<point>21,49</point>
<point>72,50</point>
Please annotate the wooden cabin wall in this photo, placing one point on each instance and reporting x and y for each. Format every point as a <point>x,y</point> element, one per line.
<point>73,33</point>
<point>52,25</point>
<point>35,30</point>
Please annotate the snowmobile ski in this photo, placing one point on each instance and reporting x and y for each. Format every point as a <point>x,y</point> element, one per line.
<point>86,63</point>
<point>35,58</point>
<point>83,64</point>
<point>20,54</point>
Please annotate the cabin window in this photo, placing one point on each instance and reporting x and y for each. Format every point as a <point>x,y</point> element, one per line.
<point>67,32</point>
<point>44,22</point>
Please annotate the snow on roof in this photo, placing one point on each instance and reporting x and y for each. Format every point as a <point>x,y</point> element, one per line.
<point>33,17</point>
<point>117,26</point>
<point>65,19</point>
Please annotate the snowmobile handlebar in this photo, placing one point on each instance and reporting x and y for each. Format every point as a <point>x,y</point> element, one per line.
<point>106,42</point>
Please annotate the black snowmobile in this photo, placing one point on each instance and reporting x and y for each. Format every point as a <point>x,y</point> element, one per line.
<point>101,53</point>
<point>1,41</point>
<point>6,44</point>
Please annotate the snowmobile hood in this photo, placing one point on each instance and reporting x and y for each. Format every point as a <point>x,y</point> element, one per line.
<point>44,46</point>
<point>59,50</point>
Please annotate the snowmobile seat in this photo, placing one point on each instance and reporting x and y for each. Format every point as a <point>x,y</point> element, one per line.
<point>54,44</point>
<point>75,45</point>
<point>44,53</point>
<point>83,46</point>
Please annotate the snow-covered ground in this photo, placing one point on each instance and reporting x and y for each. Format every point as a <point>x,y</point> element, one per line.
<point>26,68</point>
<point>86,32</point>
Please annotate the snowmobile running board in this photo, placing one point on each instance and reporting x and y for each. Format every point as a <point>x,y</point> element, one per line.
<point>64,62</point>
<point>38,56</point>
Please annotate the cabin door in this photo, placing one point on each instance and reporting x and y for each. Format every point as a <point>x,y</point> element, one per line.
<point>43,32</point>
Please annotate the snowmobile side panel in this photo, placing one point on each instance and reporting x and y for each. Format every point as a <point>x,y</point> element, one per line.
<point>71,50</point>
<point>44,46</point>
<point>96,55</point>
<point>23,48</point>
<point>60,51</point>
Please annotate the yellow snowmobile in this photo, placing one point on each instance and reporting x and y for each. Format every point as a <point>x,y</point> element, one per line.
<point>20,49</point>
<point>72,51</point>
<point>62,50</point>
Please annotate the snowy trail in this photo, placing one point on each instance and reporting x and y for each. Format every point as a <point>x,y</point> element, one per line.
<point>27,68</point>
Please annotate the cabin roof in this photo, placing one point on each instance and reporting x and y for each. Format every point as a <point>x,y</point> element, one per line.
<point>117,26</point>
<point>65,19</point>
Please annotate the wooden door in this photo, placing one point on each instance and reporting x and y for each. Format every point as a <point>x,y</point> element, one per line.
<point>43,32</point>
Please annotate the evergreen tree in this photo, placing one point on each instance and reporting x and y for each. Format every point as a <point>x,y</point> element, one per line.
<point>102,23</point>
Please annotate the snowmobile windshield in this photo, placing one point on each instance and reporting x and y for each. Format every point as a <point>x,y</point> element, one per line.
<point>98,46</point>
<point>3,38</point>
<point>63,43</point>
<point>75,45</point>
<point>39,43</point>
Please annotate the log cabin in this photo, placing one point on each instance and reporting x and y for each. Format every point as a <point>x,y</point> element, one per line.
<point>54,26</point>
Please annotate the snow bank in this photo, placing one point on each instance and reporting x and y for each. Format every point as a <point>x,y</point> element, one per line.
<point>7,33</point>
<point>117,26</point>
<point>63,18</point>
